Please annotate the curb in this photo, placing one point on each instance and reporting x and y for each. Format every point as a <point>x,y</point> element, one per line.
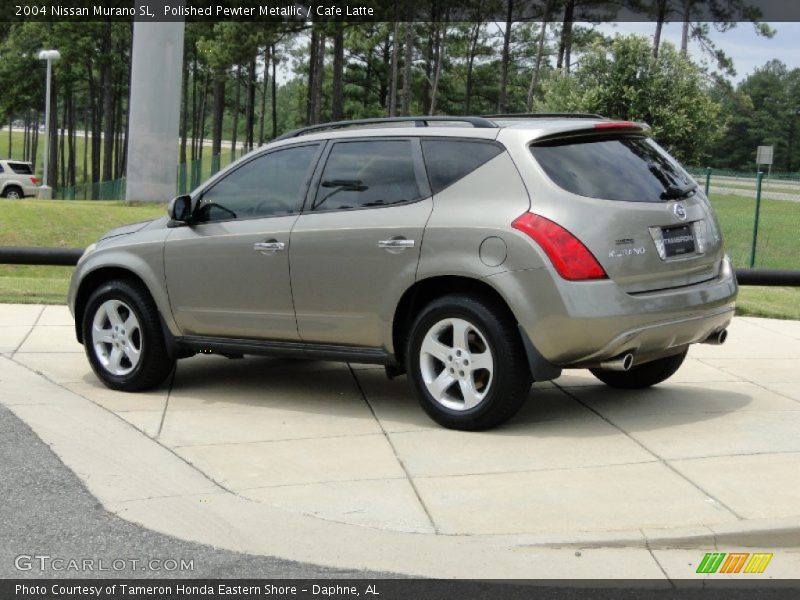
<point>781,532</point>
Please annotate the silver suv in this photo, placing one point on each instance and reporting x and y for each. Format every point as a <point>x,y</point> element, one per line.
<point>474,254</point>
<point>17,180</point>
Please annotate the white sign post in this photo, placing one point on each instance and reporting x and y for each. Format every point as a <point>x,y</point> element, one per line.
<point>764,156</point>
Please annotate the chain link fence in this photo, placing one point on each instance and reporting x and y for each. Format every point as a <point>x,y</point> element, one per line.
<point>759,215</point>
<point>190,175</point>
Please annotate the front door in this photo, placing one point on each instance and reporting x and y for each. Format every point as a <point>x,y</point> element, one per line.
<point>228,273</point>
<point>356,246</point>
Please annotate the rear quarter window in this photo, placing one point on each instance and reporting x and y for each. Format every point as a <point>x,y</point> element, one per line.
<point>630,169</point>
<point>448,160</point>
<point>21,168</point>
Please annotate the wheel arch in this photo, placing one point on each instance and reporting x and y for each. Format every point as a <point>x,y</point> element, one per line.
<point>12,183</point>
<point>92,280</point>
<point>424,291</point>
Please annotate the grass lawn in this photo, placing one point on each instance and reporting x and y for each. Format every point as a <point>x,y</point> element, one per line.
<point>61,224</point>
<point>76,224</point>
<point>772,302</point>
<point>778,232</point>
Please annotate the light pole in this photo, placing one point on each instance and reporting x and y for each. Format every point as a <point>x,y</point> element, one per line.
<point>49,55</point>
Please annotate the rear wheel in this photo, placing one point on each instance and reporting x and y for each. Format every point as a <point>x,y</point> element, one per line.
<point>467,363</point>
<point>13,192</point>
<point>123,339</point>
<point>642,376</point>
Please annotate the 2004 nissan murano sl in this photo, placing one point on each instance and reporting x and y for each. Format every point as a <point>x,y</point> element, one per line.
<point>476,254</point>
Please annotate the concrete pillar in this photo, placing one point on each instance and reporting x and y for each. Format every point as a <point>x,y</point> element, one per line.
<point>155,107</point>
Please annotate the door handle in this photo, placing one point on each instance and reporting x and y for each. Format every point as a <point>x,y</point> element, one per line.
<point>394,244</point>
<point>269,247</point>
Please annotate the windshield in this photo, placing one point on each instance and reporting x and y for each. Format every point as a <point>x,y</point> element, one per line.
<point>630,169</point>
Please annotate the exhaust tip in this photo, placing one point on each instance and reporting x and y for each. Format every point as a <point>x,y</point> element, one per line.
<point>627,362</point>
<point>623,362</point>
<point>717,338</point>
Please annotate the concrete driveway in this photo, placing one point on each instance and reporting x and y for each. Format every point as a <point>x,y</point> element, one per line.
<point>709,458</point>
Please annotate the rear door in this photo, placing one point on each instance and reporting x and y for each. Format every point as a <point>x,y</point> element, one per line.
<point>636,209</point>
<point>355,248</point>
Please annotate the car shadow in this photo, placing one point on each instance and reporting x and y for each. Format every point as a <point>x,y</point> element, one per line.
<point>319,386</point>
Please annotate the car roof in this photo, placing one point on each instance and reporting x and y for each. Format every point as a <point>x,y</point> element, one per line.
<point>394,131</point>
<point>534,125</point>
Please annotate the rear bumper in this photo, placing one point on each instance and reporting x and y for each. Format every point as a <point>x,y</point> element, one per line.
<point>579,323</point>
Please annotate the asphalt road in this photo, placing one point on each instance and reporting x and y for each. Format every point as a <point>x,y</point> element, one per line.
<point>45,510</point>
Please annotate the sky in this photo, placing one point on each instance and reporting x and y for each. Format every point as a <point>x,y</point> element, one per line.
<point>741,43</point>
<point>747,49</point>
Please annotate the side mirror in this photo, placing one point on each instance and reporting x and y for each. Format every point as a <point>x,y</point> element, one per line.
<point>180,210</point>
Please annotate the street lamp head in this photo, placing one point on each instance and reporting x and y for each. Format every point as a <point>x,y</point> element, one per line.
<point>49,55</point>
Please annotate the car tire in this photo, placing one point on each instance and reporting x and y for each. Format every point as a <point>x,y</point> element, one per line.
<point>467,363</point>
<point>123,338</point>
<point>13,192</point>
<point>642,376</point>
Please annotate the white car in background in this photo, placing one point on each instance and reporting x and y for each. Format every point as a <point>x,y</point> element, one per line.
<point>17,179</point>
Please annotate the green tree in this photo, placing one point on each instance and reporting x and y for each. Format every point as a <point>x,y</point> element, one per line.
<point>698,17</point>
<point>763,110</point>
<point>624,81</point>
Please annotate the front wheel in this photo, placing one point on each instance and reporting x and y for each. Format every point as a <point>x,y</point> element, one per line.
<point>642,376</point>
<point>467,363</point>
<point>123,339</point>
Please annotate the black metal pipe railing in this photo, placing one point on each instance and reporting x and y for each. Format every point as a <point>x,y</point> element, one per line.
<point>768,277</point>
<point>29,255</point>
<point>68,257</point>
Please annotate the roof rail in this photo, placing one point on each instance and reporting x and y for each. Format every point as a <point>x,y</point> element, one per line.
<point>478,122</point>
<point>545,116</point>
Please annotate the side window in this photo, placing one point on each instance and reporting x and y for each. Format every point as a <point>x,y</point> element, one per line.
<point>21,168</point>
<point>448,161</point>
<point>2,170</point>
<point>267,186</point>
<point>369,173</point>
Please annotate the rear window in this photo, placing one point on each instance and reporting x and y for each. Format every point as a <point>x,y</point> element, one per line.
<point>631,169</point>
<point>448,161</point>
<point>21,168</point>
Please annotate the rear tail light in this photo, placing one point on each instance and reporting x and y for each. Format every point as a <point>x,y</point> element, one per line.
<point>569,256</point>
<point>35,180</point>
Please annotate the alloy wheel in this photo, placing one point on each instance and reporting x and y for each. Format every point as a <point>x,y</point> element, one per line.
<point>457,364</point>
<point>117,337</point>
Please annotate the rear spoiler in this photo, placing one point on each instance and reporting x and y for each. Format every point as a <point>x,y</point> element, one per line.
<point>600,128</point>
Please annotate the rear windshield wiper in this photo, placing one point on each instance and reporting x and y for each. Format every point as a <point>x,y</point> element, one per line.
<point>673,192</point>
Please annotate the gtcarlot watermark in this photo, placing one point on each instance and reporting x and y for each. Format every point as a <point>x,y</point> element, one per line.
<point>59,564</point>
